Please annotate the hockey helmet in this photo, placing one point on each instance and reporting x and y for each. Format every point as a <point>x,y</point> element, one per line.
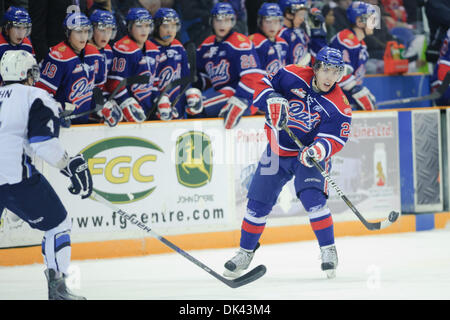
<point>103,19</point>
<point>17,17</point>
<point>17,65</point>
<point>292,6</point>
<point>223,10</point>
<point>360,9</point>
<point>164,16</point>
<point>77,21</point>
<point>330,58</point>
<point>139,15</point>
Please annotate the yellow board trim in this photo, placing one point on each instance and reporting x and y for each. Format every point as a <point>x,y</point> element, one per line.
<point>209,240</point>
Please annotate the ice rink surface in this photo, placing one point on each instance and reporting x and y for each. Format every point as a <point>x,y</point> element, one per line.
<point>405,266</point>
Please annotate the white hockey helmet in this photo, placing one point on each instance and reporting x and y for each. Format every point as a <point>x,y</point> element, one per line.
<point>16,65</point>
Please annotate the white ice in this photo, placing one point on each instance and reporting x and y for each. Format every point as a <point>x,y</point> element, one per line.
<point>412,265</point>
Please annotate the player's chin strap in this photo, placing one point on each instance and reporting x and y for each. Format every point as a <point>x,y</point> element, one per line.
<point>393,215</point>
<point>250,276</point>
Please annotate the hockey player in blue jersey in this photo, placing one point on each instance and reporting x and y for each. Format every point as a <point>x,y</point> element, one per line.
<point>30,127</point>
<point>134,55</point>
<point>272,50</point>
<point>172,63</point>
<point>228,67</point>
<point>362,17</point>
<point>15,31</point>
<point>71,69</point>
<point>104,29</point>
<point>309,101</point>
<point>304,30</point>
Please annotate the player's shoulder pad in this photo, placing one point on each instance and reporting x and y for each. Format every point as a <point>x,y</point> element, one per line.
<point>239,41</point>
<point>302,72</point>
<point>126,45</point>
<point>91,50</point>
<point>280,40</point>
<point>208,41</point>
<point>45,97</point>
<point>3,41</point>
<point>176,43</point>
<point>340,101</point>
<point>26,41</point>
<point>107,48</point>
<point>348,39</point>
<point>62,52</point>
<point>151,46</point>
<point>258,39</point>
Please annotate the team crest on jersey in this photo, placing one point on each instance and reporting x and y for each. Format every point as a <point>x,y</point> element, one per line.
<point>218,73</point>
<point>301,117</point>
<point>273,67</point>
<point>168,74</point>
<point>299,92</point>
<point>299,51</point>
<point>210,53</point>
<point>81,91</point>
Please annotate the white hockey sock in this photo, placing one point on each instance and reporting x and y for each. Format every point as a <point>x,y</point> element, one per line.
<point>56,247</point>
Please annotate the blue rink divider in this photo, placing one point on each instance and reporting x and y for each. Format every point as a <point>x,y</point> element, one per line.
<point>425,221</point>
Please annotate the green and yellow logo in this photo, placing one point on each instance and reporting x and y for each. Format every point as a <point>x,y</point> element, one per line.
<point>105,158</point>
<point>194,159</point>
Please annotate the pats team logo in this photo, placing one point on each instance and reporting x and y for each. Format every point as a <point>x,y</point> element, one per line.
<point>117,176</point>
<point>193,157</point>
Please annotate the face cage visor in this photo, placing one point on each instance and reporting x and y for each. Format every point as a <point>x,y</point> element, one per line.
<point>87,28</point>
<point>170,21</point>
<point>104,28</point>
<point>297,7</point>
<point>335,70</point>
<point>223,17</point>
<point>16,24</point>
<point>142,22</point>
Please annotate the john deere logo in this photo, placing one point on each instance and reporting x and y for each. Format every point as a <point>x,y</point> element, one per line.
<point>125,164</point>
<point>193,159</point>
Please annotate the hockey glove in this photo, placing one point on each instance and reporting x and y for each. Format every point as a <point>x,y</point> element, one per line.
<point>132,111</point>
<point>164,109</point>
<point>315,151</point>
<point>364,98</point>
<point>78,171</point>
<point>111,113</point>
<point>194,101</point>
<point>277,111</point>
<point>316,23</point>
<point>233,111</point>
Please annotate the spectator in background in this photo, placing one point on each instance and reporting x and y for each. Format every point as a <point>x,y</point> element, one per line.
<point>438,13</point>
<point>195,15</point>
<point>47,17</point>
<point>328,14</point>
<point>341,21</point>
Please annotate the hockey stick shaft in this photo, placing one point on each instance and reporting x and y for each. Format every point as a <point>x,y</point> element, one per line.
<point>138,79</point>
<point>369,225</point>
<point>433,96</point>
<point>247,278</point>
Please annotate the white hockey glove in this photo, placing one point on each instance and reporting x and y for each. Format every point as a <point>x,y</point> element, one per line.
<point>132,111</point>
<point>164,109</point>
<point>233,111</point>
<point>111,113</point>
<point>315,151</point>
<point>78,171</point>
<point>194,101</point>
<point>364,98</point>
<point>277,111</point>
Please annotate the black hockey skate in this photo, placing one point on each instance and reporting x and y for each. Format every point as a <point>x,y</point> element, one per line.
<point>57,289</point>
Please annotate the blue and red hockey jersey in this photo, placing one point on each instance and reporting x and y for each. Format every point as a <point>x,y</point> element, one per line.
<point>172,65</point>
<point>230,64</point>
<point>272,54</point>
<point>130,60</point>
<point>312,116</point>
<point>70,77</point>
<point>441,69</point>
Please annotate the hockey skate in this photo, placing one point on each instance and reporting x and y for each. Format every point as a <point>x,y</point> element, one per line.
<point>57,289</point>
<point>329,260</point>
<point>239,263</point>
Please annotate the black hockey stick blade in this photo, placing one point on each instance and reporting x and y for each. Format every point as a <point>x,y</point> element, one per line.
<point>433,96</point>
<point>393,216</point>
<point>250,276</point>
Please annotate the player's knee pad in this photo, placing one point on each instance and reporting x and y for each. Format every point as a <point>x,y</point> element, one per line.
<point>56,246</point>
<point>312,199</point>
<point>258,208</point>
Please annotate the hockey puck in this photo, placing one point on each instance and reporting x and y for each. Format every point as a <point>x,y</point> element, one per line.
<point>393,216</point>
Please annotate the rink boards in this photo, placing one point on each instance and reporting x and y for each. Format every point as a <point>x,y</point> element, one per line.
<point>189,179</point>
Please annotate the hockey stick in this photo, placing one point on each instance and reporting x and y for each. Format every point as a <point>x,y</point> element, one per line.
<point>251,276</point>
<point>433,96</point>
<point>98,96</point>
<point>184,82</point>
<point>393,215</point>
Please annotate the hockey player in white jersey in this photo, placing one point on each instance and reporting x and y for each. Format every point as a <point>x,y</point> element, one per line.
<point>29,126</point>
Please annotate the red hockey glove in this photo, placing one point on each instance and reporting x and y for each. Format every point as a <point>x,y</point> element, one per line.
<point>315,151</point>
<point>277,111</point>
<point>233,111</point>
<point>132,111</point>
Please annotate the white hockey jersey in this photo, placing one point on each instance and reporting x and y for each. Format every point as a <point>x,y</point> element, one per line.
<point>29,125</point>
